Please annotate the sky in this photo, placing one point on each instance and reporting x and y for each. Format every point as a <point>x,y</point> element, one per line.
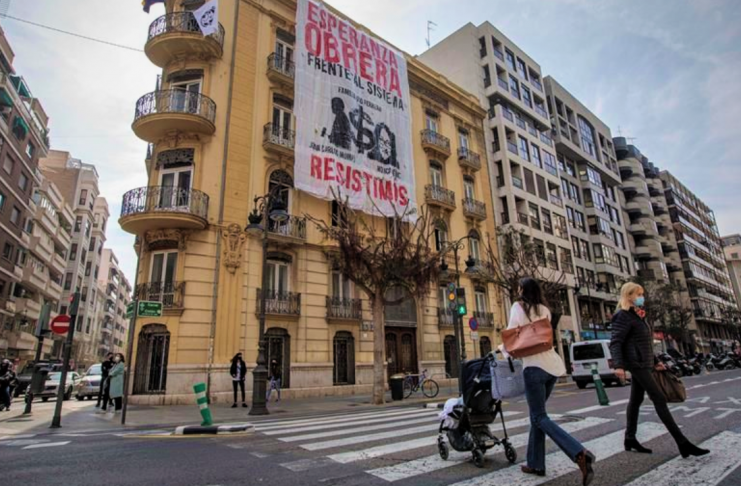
<point>667,73</point>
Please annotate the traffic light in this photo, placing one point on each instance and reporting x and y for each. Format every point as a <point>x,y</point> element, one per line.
<point>74,301</point>
<point>462,311</point>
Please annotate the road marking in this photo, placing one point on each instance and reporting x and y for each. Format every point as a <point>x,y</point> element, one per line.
<point>19,436</point>
<point>558,464</point>
<point>432,463</point>
<point>325,424</point>
<point>331,417</point>
<point>707,470</point>
<point>596,407</point>
<point>383,450</point>
<point>23,442</point>
<point>728,411</point>
<point>49,444</point>
<point>307,464</point>
<point>393,434</point>
<point>692,411</point>
<point>359,430</point>
<point>735,401</point>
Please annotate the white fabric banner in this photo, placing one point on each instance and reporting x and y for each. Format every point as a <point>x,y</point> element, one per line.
<point>353,120</point>
<point>208,17</point>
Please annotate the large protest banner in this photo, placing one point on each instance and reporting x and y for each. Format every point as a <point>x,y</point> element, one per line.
<point>353,120</point>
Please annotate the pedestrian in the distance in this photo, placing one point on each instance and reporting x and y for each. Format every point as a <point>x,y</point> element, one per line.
<point>631,349</point>
<point>238,371</point>
<point>116,378</point>
<point>6,377</point>
<point>541,371</point>
<point>275,376</point>
<point>104,390</point>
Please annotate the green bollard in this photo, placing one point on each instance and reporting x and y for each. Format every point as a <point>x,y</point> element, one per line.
<point>202,401</point>
<point>601,394</point>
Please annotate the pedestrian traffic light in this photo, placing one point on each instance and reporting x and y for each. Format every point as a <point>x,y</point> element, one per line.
<point>462,311</point>
<point>74,301</point>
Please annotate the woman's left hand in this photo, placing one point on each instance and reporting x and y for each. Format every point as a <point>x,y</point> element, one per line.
<point>660,367</point>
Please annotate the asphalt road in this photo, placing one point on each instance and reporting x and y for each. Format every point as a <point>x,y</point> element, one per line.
<point>396,445</point>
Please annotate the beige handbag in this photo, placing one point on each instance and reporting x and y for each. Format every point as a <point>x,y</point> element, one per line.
<point>530,339</point>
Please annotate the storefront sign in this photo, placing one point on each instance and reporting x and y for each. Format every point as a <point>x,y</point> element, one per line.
<point>353,116</point>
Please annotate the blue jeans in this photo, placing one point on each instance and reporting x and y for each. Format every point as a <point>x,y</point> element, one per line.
<point>538,387</point>
<point>274,385</point>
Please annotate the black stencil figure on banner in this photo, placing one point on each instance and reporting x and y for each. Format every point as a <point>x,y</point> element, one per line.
<point>341,135</point>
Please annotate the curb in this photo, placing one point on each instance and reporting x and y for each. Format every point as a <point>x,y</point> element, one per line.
<point>213,429</point>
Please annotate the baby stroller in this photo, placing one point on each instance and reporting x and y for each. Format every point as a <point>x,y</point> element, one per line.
<point>467,424</point>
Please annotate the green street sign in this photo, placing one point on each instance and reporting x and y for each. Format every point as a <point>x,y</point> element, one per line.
<point>130,310</point>
<point>150,309</point>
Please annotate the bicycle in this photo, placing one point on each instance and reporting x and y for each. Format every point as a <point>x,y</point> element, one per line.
<point>429,387</point>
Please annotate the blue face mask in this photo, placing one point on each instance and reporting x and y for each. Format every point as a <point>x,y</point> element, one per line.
<point>639,301</point>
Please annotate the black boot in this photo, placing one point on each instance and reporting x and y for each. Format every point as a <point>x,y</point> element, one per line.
<point>688,449</point>
<point>634,445</point>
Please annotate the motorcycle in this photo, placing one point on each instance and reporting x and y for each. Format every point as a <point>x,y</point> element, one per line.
<point>670,364</point>
<point>722,362</point>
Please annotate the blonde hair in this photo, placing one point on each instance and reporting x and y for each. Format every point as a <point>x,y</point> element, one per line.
<point>626,292</point>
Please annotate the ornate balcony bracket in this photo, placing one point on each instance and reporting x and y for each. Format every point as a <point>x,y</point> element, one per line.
<point>234,238</point>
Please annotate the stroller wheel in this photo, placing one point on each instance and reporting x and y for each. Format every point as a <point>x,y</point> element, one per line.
<point>442,448</point>
<point>478,458</point>
<point>510,453</point>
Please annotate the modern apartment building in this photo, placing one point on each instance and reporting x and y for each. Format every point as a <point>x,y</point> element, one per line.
<point>522,154</point>
<point>78,184</point>
<point>732,250</point>
<point>23,139</point>
<point>703,263</point>
<point>221,128</point>
<point>116,291</point>
<point>590,187</point>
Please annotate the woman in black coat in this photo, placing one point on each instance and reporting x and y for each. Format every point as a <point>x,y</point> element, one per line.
<point>238,370</point>
<point>632,349</point>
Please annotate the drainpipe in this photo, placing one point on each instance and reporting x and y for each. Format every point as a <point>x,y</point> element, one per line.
<point>217,269</point>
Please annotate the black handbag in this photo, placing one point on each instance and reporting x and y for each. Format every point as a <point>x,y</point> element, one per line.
<point>671,386</point>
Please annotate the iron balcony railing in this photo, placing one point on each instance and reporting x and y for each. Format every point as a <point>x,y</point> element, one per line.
<point>175,101</point>
<point>281,64</point>
<point>293,227</point>
<point>445,318</point>
<point>345,309</point>
<point>180,22</point>
<point>484,319</point>
<point>280,303</point>
<point>468,158</point>
<point>169,293</point>
<point>474,208</point>
<point>154,199</point>
<point>431,137</point>
<point>277,135</point>
<point>438,194</point>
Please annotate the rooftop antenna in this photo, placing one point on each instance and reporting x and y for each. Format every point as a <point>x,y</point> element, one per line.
<point>430,27</point>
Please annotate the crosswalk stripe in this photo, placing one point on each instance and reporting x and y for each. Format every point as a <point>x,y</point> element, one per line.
<point>383,450</point>
<point>594,408</point>
<point>358,430</point>
<point>316,418</point>
<point>432,463</point>
<point>316,446</point>
<point>708,470</point>
<point>341,422</point>
<point>48,444</point>
<point>558,464</point>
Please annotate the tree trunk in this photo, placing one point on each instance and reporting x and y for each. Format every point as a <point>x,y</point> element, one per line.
<point>379,352</point>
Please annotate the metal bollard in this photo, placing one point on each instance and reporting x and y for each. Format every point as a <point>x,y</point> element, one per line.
<point>202,401</point>
<point>601,394</point>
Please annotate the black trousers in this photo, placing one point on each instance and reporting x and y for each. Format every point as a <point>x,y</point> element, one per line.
<point>106,398</point>
<point>119,403</point>
<point>643,382</point>
<point>238,384</point>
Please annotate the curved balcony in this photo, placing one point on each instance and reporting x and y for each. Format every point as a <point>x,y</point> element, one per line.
<point>164,111</point>
<point>474,209</point>
<point>439,196</point>
<point>177,36</point>
<point>435,143</point>
<point>161,207</point>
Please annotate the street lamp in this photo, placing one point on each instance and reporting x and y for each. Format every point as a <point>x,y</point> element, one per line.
<point>456,246</point>
<point>270,207</point>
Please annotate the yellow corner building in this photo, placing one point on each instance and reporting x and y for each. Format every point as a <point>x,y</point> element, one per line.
<point>221,132</point>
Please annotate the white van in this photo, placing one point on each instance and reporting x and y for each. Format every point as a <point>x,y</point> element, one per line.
<point>587,353</point>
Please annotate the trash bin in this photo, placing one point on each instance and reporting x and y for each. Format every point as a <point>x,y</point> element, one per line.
<point>38,379</point>
<point>396,383</point>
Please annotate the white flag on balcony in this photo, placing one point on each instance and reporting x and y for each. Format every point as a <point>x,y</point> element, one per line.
<point>208,17</point>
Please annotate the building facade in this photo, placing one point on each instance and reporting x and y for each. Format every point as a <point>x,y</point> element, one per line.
<point>23,275</point>
<point>116,291</point>
<point>732,251</point>
<point>590,187</point>
<point>222,134</point>
<point>78,184</point>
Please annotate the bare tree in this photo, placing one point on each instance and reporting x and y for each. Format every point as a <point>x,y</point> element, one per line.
<point>379,254</point>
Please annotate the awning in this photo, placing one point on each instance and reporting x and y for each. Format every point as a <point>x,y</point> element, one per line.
<point>20,122</point>
<point>5,98</point>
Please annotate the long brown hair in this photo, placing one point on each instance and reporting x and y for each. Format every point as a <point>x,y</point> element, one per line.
<point>531,296</point>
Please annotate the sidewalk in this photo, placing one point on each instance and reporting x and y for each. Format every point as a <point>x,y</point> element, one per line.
<point>81,417</point>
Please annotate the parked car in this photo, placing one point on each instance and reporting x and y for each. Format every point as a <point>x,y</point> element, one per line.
<point>24,377</point>
<point>52,385</point>
<point>89,384</point>
<point>587,353</point>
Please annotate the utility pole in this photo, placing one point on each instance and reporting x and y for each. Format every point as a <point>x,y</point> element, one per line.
<point>74,306</point>
<point>132,333</point>
<point>41,329</point>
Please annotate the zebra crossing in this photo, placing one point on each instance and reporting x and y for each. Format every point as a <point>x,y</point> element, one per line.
<point>400,444</point>
<point>29,441</point>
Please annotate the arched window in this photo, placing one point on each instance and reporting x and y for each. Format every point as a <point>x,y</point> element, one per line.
<point>279,349</point>
<point>450,352</point>
<point>151,360</point>
<point>284,183</point>
<point>485,346</point>
<point>344,358</point>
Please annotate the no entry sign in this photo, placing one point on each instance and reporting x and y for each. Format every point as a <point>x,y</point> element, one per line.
<point>60,324</point>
